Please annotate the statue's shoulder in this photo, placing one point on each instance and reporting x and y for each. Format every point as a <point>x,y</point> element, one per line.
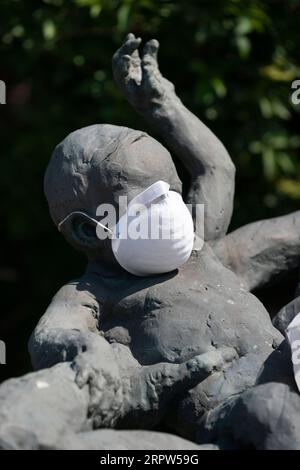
<point>76,292</point>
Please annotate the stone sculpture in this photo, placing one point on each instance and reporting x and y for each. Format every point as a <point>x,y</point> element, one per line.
<point>191,349</point>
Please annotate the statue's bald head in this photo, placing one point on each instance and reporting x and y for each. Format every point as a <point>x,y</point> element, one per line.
<point>99,163</point>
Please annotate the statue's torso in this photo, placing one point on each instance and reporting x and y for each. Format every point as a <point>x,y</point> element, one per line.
<point>179,315</point>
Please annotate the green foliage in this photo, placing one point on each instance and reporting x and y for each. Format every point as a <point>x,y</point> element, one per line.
<point>232,62</point>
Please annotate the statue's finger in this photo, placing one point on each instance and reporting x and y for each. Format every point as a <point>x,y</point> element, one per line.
<point>150,51</point>
<point>229,354</point>
<point>97,387</point>
<point>150,70</point>
<point>205,364</point>
<point>129,36</point>
<point>81,379</point>
<point>82,376</point>
<point>129,46</point>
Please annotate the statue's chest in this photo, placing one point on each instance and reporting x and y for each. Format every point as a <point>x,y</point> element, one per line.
<point>174,317</point>
<point>167,321</point>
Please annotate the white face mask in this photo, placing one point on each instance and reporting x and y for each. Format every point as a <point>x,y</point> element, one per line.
<point>157,240</point>
<point>155,235</point>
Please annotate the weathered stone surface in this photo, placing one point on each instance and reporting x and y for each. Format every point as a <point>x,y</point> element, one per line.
<point>108,439</point>
<point>265,417</point>
<point>38,408</point>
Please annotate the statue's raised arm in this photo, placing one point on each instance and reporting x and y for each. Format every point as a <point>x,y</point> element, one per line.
<point>203,155</point>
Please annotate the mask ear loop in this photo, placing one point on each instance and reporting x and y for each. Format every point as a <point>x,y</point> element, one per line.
<point>85,215</point>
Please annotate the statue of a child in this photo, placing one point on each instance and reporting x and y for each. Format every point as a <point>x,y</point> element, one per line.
<point>184,341</point>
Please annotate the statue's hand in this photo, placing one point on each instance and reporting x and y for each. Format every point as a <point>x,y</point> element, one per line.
<point>97,369</point>
<point>152,391</point>
<point>209,362</point>
<point>139,78</point>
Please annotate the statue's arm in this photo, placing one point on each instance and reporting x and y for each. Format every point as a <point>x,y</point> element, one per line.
<point>203,155</point>
<point>67,333</point>
<point>149,394</point>
<point>262,251</point>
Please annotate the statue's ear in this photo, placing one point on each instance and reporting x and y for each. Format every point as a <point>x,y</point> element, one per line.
<point>80,231</point>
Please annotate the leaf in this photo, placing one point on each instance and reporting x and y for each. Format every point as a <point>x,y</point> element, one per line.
<point>244,46</point>
<point>219,87</point>
<point>289,187</point>
<point>49,30</point>
<point>269,163</point>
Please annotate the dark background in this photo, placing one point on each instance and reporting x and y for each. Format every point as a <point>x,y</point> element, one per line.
<point>232,63</point>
